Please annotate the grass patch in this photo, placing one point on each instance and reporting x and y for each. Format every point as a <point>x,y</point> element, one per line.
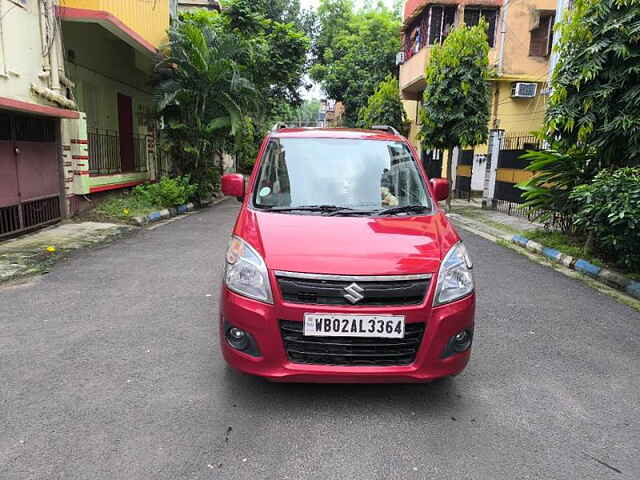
<point>124,207</point>
<point>574,246</point>
<point>564,243</point>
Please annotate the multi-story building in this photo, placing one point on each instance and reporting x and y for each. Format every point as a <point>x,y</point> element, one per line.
<point>75,103</point>
<point>110,49</point>
<point>520,38</point>
<point>34,100</point>
<point>190,5</point>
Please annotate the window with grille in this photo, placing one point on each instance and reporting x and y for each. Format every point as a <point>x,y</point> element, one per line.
<point>472,18</point>
<point>431,28</point>
<point>542,36</point>
<point>441,22</point>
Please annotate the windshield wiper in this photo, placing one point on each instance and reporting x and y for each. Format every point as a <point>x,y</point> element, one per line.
<point>350,211</point>
<point>403,209</point>
<point>308,208</point>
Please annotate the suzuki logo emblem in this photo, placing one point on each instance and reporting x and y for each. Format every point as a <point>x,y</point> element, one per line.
<point>354,293</point>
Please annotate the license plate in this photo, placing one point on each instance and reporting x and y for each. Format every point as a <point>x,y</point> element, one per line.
<point>339,325</point>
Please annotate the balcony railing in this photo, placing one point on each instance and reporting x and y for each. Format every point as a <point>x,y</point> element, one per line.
<point>104,153</point>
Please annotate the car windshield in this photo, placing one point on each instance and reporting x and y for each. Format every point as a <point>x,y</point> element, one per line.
<point>362,175</point>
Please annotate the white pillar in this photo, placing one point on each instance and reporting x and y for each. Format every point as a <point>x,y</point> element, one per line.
<point>495,141</point>
<point>454,166</point>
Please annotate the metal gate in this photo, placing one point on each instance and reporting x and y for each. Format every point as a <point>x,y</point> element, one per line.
<point>464,172</point>
<point>29,173</point>
<point>432,163</point>
<point>511,169</point>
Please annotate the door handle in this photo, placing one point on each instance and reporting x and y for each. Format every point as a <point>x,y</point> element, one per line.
<point>16,150</point>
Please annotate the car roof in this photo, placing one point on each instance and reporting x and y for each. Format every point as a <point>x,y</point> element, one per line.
<point>341,133</point>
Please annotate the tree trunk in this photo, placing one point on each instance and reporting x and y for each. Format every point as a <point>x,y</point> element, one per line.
<point>449,177</point>
<point>588,245</point>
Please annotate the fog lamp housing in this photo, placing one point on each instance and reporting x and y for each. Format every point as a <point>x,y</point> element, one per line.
<point>240,340</point>
<point>237,338</point>
<point>459,343</point>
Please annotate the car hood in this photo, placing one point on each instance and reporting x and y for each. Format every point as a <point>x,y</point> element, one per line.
<point>348,245</point>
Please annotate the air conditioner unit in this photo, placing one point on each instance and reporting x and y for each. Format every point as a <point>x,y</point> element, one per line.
<point>524,90</point>
<point>400,58</point>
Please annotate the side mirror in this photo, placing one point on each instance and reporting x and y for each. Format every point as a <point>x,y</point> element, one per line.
<point>233,185</point>
<point>440,188</point>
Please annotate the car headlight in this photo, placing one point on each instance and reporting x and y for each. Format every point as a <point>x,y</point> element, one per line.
<point>455,279</point>
<point>245,271</point>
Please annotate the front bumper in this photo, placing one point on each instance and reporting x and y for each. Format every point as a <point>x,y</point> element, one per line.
<point>262,322</point>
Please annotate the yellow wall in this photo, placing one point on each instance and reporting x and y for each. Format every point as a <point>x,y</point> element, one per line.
<point>410,107</point>
<point>514,115</point>
<point>412,72</point>
<point>148,18</point>
<point>520,115</point>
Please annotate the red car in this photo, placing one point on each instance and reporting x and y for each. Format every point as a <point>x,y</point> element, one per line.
<point>342,267</point>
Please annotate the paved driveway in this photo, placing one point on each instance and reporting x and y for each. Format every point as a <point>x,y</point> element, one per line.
<point>109,369</point>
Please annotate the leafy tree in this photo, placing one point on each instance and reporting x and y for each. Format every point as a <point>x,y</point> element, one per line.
<point>281,11</point>
<point>247,147</point>
<point>223,77</point>
<point>593,119</point>
<point>596,83</point>
<point>202,94</point>
<point>278,50</point>
<point>456,98</point>
<point>305,115</point>
<point>354,53</point>
<point>334,18</point>
<point>385,107</point>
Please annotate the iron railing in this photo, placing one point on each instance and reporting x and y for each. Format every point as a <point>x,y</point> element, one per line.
<point>554,220</point>
<point>104,152</point>
<point>25,216</point>
<point>140,154</point>
<point>521,142</point>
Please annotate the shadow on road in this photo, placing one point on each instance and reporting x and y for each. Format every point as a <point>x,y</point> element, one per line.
<point>292,397</point>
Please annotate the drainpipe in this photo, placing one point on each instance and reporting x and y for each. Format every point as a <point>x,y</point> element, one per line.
<point>54,57</point>
<point>561,7</point>
<point>50,60</point>
<point>43,35</point>
<point>503,34</point>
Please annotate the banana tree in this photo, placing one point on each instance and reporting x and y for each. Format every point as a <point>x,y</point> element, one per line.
<point>202,94</point>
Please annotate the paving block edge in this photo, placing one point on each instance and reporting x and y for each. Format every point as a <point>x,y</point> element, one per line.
<point>603,275</point>
<point>164,214</point>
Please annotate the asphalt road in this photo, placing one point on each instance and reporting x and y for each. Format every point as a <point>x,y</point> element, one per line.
<point>109,369</point>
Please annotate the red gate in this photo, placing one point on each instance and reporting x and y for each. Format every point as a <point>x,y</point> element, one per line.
<point>29,173</point>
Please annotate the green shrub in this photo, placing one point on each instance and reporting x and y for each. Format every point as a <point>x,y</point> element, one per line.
<point>609,211</point>
<point>556,174</point>
<point>168,192</point>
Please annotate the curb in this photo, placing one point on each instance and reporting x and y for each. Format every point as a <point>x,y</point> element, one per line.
<point>603,275</point>
<point>173,212</point>
<point>163,214</point>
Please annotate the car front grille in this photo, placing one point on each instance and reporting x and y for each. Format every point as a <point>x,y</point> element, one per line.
<point>351,351</point>
<point>331,289</point>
